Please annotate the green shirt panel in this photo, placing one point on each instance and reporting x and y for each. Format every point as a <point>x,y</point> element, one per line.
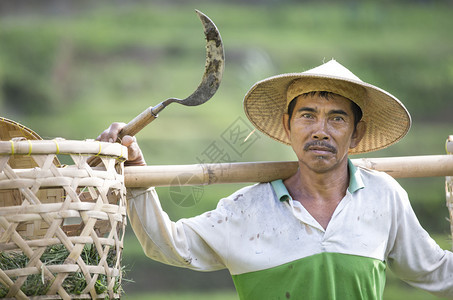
<point>329,276</point>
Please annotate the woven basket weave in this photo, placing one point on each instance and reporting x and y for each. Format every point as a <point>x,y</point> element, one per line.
<point>76,205</point>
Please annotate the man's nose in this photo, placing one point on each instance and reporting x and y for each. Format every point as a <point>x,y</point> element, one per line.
<point>320,131</point>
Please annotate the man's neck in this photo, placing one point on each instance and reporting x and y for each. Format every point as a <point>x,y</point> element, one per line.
<point>307,183</point>
<point>319,193</point>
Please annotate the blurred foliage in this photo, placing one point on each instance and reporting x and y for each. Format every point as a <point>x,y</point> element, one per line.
<point>106,55</point>
<point>70,68</point>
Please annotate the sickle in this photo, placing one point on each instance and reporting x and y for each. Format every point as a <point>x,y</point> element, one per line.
<point>215,60</point>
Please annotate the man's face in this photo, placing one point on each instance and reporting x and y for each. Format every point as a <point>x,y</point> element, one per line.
<point>321,131</point>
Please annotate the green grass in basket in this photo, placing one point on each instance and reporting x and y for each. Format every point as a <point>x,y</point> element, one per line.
<point>74,283</point>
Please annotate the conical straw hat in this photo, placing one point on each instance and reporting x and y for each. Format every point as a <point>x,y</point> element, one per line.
<point>386,117</point>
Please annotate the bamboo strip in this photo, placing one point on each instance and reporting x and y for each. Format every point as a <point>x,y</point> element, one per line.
<point>5,280</point>
<point>27,180</point>
<point>55,241</point>
<point>206,174</point>
<point>68,171</point>
<point>53,207</point>
<point>66,268</point>
<point>98,215</point>
<point>58,146</point>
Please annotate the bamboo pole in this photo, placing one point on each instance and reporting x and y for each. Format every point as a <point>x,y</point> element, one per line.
<point>449,184</point>
<point>248,172</point>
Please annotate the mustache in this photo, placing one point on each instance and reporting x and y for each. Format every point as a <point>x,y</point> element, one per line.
<point>322,144</point>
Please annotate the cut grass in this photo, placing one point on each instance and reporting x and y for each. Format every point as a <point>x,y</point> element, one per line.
<point>74,283</point>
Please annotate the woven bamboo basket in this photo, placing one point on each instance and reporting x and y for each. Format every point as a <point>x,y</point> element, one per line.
<point>75,207</point>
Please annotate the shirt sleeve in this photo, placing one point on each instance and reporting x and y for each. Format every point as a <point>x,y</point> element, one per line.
<point>196,243</point>
<point>414,256</point>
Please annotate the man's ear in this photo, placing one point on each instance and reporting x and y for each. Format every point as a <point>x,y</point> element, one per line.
<point>358,134</point>
<point>285,120</point>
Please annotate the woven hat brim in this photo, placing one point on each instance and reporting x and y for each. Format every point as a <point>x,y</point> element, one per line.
<point>9,130</point>
<point>387,120</point>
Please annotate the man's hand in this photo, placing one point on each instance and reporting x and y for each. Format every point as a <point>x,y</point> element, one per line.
<point>135,156</point>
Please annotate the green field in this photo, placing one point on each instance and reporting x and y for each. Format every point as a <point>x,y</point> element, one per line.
<point>70,73</point>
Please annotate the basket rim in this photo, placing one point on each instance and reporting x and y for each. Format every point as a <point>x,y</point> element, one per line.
<point>62,146</point>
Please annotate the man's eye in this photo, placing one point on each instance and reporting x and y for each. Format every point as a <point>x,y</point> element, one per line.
<point>338,118</point>
<point>307,116</point>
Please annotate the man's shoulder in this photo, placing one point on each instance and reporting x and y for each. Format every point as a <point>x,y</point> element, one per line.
<point>379,179</point>
<point>250,195</point>
<point>260,190</point>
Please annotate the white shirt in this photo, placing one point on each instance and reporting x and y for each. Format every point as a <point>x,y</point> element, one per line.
<point>260,227</point>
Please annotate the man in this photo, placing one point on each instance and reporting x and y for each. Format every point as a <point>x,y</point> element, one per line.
<point>327,232</point>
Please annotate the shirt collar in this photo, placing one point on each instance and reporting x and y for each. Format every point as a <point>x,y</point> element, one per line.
<point>355,183</point>
<point>280,190</point>
<point>355,180</point>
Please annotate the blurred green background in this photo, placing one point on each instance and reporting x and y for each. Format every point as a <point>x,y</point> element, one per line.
<point>70,68</point>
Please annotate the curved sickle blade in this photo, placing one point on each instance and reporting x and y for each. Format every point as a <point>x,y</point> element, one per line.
<point>206,89</point>
<point>215,62</point>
